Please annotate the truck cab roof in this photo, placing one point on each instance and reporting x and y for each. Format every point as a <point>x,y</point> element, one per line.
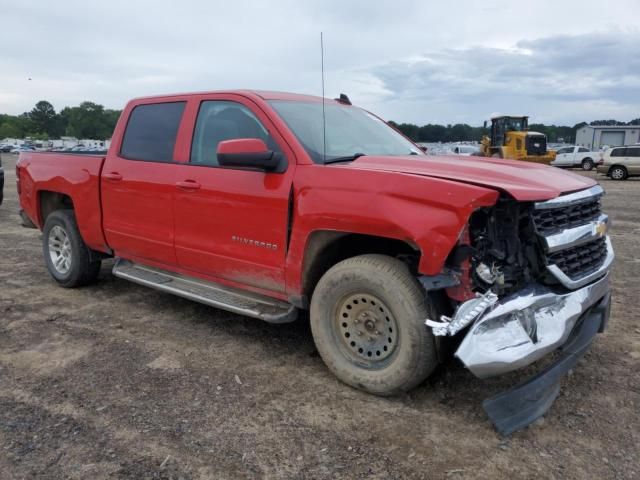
<point>262,94</point>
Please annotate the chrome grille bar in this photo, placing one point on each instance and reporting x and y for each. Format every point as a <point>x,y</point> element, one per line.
<point>567,236</point>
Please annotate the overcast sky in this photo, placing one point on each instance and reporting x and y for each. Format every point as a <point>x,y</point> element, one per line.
<point>410,61</point>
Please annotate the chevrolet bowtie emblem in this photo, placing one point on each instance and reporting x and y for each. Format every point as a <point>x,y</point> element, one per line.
<point>601,228</point>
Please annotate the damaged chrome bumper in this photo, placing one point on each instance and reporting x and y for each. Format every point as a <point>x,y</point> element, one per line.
<point>524,327</point>
<point>516,408</point>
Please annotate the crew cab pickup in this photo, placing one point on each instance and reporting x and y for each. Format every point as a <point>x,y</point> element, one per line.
<point>575,156</point>
<point>266,204</point>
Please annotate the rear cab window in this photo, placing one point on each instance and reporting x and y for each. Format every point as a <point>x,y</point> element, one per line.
<point>151,132</point>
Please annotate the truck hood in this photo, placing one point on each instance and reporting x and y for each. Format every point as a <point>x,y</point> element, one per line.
<point>524,181</point>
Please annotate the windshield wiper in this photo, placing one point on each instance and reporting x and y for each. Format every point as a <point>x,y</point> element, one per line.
<point>346,158</point>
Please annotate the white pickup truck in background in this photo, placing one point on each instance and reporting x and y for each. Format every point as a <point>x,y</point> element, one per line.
<point>575,156</point>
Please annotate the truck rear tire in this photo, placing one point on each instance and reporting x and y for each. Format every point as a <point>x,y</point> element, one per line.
<point>367,319</point>
<point>587,164</point>
<point>68,259</point>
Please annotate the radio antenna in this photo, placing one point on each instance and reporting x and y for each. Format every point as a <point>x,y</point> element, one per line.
<point>324,121</point>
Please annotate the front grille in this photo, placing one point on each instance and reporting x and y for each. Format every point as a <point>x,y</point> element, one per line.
<point>536,145</point>
<point>580,261</point>
<point>554,220</point>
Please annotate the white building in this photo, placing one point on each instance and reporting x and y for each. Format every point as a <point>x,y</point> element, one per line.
<point>594,137</point>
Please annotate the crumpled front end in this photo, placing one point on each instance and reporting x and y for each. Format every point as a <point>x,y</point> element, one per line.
<point>560,259</point>
<point>533,276</point>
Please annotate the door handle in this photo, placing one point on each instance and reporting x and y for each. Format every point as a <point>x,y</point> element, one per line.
<point>188,185</point>
<point>112,176</point>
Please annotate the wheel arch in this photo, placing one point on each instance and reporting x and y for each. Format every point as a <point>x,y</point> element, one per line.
<point>49,202</point>
<point>325,248</point>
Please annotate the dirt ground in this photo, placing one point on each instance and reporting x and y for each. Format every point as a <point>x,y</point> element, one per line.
<point>120,381</point>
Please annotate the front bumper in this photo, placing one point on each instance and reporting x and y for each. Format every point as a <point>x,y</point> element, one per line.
<point>524,327</point>
<point>515,409</point>
<point>604,169</point>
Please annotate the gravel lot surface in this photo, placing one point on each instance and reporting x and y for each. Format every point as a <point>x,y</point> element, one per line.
<point>120,381</point>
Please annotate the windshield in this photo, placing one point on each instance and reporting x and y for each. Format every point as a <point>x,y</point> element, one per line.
<point>349,131</point>
<point>515,124</point>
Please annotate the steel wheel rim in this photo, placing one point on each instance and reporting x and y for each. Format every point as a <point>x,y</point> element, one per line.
<point>617,173</point>
<point>366,327</point>
<point>587,165</point>
<point>60,250</point>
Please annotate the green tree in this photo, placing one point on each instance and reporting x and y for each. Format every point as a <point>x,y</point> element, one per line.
<point>460,132</point>
<point>89,120</point>
<point>43,119</point>
<point>9,130</point>
<point>408,129</point>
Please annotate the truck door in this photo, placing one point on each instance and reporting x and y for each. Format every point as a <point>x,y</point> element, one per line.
<point>564,157</point>
<point>232,223</point>
<point>138,183</point>
<point>572,156</point>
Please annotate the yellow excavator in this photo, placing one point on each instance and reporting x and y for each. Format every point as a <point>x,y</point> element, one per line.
<point>510,138</point>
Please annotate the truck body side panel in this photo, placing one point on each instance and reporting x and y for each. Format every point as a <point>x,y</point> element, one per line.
<point>341,199</point>
<point>78,177</point>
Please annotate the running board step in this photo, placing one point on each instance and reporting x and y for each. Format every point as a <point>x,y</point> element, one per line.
<point>213,294</point>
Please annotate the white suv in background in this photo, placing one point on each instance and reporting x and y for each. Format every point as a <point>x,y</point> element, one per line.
<point>620,163</point>
<point>575,156</point>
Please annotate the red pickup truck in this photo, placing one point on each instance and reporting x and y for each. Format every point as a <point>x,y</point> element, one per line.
<point>267,203</point>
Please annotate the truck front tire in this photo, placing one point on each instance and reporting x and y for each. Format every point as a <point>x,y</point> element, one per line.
<point>367,319</point>
<point>67,257</point>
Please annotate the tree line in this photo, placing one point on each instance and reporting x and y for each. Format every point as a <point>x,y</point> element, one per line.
<point>87,120</point>
<point>461,132</point>
<point>91,120</point>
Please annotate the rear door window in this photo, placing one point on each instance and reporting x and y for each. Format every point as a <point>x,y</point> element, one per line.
<point>583,150</point>
<point>151,132</point>
<point>618,152</point>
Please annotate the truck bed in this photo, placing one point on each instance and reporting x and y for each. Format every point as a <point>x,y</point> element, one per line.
<point>74,175</point>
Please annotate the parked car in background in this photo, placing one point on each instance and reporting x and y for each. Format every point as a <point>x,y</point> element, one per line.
<point>465,150</point>
<point>22,148</point>
<point>620,163</point>
<point>575,156</point>
<point>6,147</point>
